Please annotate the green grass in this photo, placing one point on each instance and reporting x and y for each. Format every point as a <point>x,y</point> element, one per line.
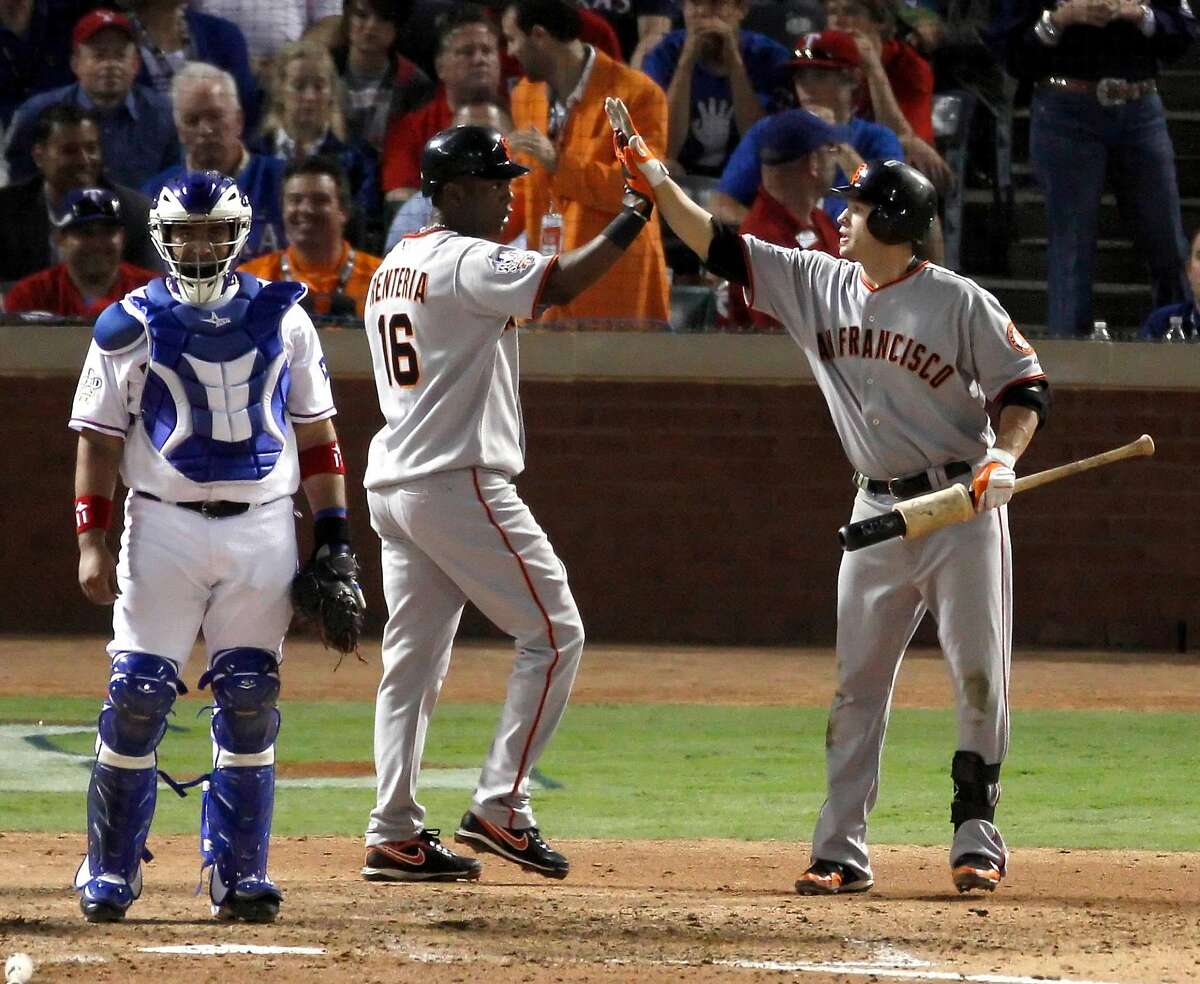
<point>1074,779</point>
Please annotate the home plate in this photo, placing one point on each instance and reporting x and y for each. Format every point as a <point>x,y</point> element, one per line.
<point>217,949</point>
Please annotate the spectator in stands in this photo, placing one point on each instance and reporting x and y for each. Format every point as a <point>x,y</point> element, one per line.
<point>209,118</point>
<point>798,152</point>
<point>417,212</point>
<point>35,49</point>
<point>305,120</point>
<point>316,207</point>
<point>826,78</point>
<point>90,238</point>
<point>719,80</point>
<point>136,130</point>
<point>558,109</point>
<point>785,20</point>
<point>268,26</point>
<point>1096,112</point>
<point>170,34</point>
<point>468,68</point>
<point>898,89</point>
<point>1188,312</point>
<point>380,84</point>
<point>640,24</point>
<point>67,155</point>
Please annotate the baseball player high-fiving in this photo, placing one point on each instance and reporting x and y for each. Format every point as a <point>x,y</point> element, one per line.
<point>909,356</point>
<point>207,391</point>
<point>441,321</point>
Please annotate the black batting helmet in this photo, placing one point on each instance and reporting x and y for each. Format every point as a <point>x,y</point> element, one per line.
<point>478,151</point>
<point>904,199</point>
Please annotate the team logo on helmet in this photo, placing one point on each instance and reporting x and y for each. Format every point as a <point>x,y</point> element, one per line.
<point>1017,340</point>
<point>858,173</point>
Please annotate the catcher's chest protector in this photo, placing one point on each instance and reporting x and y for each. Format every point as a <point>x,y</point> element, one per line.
<point>215,398</point>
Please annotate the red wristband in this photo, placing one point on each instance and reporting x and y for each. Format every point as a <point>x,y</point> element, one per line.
<point>92,512</point>
<point>321,458</point>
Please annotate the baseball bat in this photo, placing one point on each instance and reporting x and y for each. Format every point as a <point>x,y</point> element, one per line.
<point>923,514</point>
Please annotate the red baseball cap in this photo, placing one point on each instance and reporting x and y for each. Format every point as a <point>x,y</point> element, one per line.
<point>99,20</point>
<point>833,50</point>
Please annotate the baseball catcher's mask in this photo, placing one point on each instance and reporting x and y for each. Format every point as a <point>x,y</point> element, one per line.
<point>905,200</point>
<point>199,223</point>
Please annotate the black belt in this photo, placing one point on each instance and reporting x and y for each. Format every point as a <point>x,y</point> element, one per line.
<point>909,485</point>
<point>209,509</point>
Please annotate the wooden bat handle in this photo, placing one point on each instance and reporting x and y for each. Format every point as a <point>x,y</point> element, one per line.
<point>1142,447</point>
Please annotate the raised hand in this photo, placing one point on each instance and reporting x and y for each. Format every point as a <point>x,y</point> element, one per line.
<point>643,171</point>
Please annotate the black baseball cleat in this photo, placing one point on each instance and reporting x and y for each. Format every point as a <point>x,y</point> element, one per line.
<point>524,847</point>
<point>833,878</point>
<point>264,909</point>
<point>422,858</point>
<point>101,912</point>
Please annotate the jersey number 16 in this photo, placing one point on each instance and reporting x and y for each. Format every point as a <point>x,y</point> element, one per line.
<point>399,357</point>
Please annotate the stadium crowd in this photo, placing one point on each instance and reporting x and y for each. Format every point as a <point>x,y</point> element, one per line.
<point>320,110</point>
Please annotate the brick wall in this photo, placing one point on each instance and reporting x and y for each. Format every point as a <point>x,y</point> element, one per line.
<point>706,513</point>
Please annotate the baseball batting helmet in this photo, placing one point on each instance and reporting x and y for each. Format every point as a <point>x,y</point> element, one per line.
<point>904,199</point>
<point>461,151</point>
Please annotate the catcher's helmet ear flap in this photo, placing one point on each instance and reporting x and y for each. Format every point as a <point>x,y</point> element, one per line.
<point>478,151</point>
<point>905,200</point>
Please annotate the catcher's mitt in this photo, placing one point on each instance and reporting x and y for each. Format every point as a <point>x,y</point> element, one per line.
<point>326,593</point>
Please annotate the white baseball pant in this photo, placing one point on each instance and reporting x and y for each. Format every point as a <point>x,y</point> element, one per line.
<point>446,539</point>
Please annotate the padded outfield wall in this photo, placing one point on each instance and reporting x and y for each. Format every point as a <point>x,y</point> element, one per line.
<point>693,484</point>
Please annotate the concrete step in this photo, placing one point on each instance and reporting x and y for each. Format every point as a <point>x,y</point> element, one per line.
<point>1123,306</point>
<point>1183,125</point>
<point>1180,88</point>
<point>1030,214</point>
<point>1116,261</point>
<point>1187,168</point>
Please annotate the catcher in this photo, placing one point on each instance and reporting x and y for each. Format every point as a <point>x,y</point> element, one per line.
<point>206,391</point>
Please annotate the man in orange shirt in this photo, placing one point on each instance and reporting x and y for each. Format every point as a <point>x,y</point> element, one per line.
<point>316,204</point>
<point>89,237</point>
<point>563,134</point>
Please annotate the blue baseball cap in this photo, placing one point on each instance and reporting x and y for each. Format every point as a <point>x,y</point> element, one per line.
<point>795,133</point>
<point>84,205</point>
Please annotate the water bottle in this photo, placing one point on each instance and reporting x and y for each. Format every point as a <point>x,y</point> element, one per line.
<point>552,223</point>
<point>1175,329</point>
<point>1100,332</point>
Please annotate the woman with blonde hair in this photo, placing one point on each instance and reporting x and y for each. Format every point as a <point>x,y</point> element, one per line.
<point>305,119</point>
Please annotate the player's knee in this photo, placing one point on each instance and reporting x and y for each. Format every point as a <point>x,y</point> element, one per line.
<point>245,686</point>
<point>141,690</point>
<point>976,788</point>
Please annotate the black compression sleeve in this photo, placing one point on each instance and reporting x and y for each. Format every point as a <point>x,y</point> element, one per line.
<point>726,255</point>
<point>1035,395</point>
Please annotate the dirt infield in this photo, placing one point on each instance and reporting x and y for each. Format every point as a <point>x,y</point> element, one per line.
<point>638,910</point>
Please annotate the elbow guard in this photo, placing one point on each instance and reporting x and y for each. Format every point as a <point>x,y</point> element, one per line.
<point>726,255</point>
<point>1034,394</point>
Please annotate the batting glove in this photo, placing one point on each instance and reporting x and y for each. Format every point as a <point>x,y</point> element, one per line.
<point>643,171</point>
<point>993,484</point>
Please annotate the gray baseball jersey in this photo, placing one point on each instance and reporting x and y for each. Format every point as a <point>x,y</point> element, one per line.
<point>907,369</point>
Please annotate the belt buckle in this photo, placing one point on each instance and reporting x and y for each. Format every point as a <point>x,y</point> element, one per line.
<point>892,483</point>
<point>1112,92</point>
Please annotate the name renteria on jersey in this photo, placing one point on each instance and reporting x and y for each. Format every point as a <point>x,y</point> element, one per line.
<point>215,398</point>
<point>854,342</point>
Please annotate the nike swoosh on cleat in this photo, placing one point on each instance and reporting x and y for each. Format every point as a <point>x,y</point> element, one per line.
<point>516,843</point>
<point>415,858</point>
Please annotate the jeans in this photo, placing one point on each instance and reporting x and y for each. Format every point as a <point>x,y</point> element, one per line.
<point>1073,143</point>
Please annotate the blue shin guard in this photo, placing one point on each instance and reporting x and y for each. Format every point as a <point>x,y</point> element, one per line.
<point>239,798</point>
<point>123,787</point>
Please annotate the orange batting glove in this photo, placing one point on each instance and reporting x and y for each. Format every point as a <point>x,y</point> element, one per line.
<point>643,171</point>
<point>993,484</point>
